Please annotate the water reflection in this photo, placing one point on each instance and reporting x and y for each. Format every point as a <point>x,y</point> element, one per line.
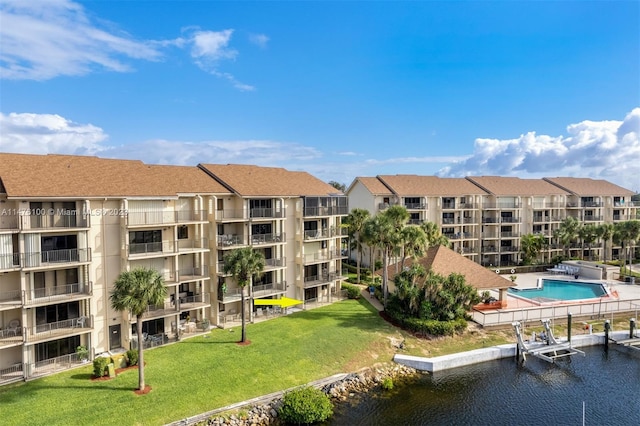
<point>508,392</point>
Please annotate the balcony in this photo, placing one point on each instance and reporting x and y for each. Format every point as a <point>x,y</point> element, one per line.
<point>58,294</point>
<point>502,205</point>
<point>196,301</point>
<point>53,365</point>
<point>274,263</point>
<point>10,337</point>
<point>10,299</point>
<point>489,249</point>
<point>9,262</point>
<point>230,241</point>
<point>54,330</point>
<point>506,219</point>
<point>55,257</point>
<point>509,235</point>
<point>271,289</point>
<point>159,311</point>
<point>490,220</point>
<point>448,206</point>
<point>326,211</point>
<point>621,217</point>
<point>231,295</point>
<point>164,217</point>
<point>509,249</point>
<point>267,213</point>
<point>260,239</point>
<point>55,219</point>
<point>11,374</point>
<point>316,280</point>
<point>448,220</point>
<point>144,249</point>
<point>231,215</point>
<point>193,274</point>
<point>469,206</point>
<point>192,245</point>
<point>591,204</point>
<point>9,222</point>
<point>321,256</point>
<point>592,218</point>
<point>415,206</point>
<point>316,234</point>
<point>415,221</point>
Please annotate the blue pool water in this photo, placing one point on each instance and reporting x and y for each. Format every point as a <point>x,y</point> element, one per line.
<point>561,290</point>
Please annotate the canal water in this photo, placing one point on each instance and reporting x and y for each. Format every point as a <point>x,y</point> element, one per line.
<point>606,385</point>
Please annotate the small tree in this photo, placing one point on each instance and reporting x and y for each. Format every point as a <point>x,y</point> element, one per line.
<point>134,291</point>
<point>243,264</point>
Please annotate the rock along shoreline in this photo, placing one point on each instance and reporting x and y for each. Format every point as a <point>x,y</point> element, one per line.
<point>266,413</point>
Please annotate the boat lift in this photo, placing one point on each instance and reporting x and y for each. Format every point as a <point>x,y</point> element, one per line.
<point>549,349</point>
<point>633,341</point>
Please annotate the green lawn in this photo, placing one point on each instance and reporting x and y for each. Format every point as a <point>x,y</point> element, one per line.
<point>204,373</point>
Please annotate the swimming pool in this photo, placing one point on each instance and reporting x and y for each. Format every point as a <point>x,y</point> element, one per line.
<point>559,290</point>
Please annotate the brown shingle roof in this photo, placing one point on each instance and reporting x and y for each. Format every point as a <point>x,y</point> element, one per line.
<point>248,180</point>
<point>408,185</point>
<point>374,185</point>
<point>499,185</point>
<point>587,186</point>
<point>444,261</point>
<point>25,175</point>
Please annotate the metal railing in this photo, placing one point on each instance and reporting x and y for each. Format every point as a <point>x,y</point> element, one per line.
<point>231,214</point>
<point>202,298</point>
<point>502,205</point>
<point>186,273</point>
<point>267,213</point>
<point>275,262</point>
<point>151,248</point>
<point>9,221</point>
<point>257,239</point>
<point>315,280</point>
<point>55,218</point>
<point>267,289</point>
<point>10,336</point>
<point>415,206</point>
<point>11,297</point>
<point>164,217</point>
<point>326,211</point>
<point>231,294</point>
<point>50,294</point>
<point>52,365</point>
<point>322,256</point>
<point>35,259</point>
<point>151,341</point>
<point>195,244</point>
<point>598,309</point>
<point>12,373</point>
<point>230,240</point>
<point>44,331</point>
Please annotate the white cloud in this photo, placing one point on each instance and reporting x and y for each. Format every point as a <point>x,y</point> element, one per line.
<point>41,41</point>
<point>407,160</point>
<point>597,149</point>
<point>260,40</point>
<point>48,133</point>
<point>44,40</point>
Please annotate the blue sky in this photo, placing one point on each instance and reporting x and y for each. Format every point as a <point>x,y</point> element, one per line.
<point>338,89</point>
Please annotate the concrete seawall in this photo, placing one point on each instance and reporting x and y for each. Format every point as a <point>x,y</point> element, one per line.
<point>476,356</point>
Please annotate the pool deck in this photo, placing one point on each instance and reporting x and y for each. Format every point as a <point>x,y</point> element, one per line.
<point>625,291</point>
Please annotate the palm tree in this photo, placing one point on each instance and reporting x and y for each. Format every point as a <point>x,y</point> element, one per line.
<point>626,233</point>
<point>567,232</point>
<point>380,233</point>
<point>355,223</point>
<point>434,234</point>
<point>414,241</point>
<point>407,289</point>
<point>243,264</point>
<point>588,234</point>
<point>605,232</point>
<point>398,216</point>
<point>531,244</point>
<point>134,291</point>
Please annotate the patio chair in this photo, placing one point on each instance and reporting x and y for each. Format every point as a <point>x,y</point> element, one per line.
<point>258,312</point>
<point>80,321</point>
<point>14,325</point>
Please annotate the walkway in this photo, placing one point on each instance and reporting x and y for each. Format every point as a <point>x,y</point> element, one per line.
<point>364,292</point>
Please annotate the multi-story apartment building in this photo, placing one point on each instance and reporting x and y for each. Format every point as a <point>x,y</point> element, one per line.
<point>69,225</point>
<point>294,219</point>
<point>484,217</point>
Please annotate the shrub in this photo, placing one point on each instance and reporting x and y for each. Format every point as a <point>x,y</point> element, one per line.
<point>387,383</point>
<point>82,352</point>
<point>353,292</point>
<point>100,366</point>
<point>132,357</point>
<point>305,405</point>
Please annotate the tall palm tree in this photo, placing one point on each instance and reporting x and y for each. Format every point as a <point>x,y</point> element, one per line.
<point>605,233</point>
<point>588,234</point>
<point>398,216</point>
<point>380,234</point>
<point>626,233</point>
<point>134,291</point>
<point>434,234</point>
<point>355,223</point>
<point>567,232</point>
<point>243,264</point>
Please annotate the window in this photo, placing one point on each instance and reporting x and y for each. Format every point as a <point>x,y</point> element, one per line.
<point>183,232</point>
<point>145,241</point>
